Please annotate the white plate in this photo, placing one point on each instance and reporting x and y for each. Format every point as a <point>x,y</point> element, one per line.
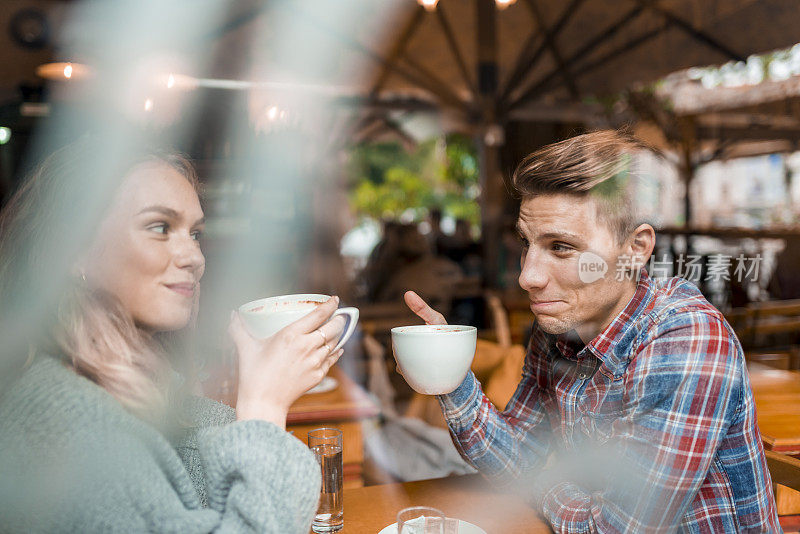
<point>327,384</point>
<point>463,528</point>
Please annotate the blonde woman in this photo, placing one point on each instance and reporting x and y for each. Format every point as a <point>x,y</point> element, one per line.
<point>88,434</point>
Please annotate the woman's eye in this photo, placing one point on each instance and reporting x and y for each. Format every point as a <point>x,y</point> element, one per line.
<point>160,228</point>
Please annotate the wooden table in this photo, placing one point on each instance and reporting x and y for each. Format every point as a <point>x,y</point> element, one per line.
<point>368,510</point>
<point>348,408</point>
<point>777,396</point>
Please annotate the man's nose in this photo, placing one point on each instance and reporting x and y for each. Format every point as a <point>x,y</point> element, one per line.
<point>533,275</point>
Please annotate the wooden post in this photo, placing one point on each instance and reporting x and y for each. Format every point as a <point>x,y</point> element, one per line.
<point>687,166</point>
<point>492,189</point>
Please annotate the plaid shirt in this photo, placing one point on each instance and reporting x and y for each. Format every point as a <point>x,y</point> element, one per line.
<point>650,427</point>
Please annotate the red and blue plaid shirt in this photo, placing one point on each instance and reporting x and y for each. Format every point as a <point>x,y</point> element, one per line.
<point>650,427</point>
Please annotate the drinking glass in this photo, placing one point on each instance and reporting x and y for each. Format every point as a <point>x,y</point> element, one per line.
<point>420,520</point>
<point>327,446</point>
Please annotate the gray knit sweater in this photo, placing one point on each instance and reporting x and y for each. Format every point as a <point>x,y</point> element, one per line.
<point>73,460</point>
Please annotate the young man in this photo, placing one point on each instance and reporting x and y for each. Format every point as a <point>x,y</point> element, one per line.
<point>634,412</point>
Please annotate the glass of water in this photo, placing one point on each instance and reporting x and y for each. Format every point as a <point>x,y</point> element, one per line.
<point>326,443</point>
<point>420,520</point>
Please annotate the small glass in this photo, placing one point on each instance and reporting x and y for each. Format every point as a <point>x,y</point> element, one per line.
<point>420,520</point>
<point>326,443</point>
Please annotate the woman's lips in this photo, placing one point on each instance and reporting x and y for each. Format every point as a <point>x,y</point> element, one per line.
<point>187,290</point>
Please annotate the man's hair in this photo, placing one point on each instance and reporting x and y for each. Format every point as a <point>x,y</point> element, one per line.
<point>596,165</point>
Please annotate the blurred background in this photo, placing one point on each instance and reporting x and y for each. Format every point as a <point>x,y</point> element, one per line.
<point>360,149</point>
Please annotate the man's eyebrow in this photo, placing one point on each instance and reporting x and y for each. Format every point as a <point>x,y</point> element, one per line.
<point>169,212</point>
<point>560,234</point>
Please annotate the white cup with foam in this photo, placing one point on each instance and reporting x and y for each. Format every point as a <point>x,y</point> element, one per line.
<point>265,317</point>
<point>434,359</point>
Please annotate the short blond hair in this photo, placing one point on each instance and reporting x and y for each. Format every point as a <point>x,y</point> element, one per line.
<point>596,164</point>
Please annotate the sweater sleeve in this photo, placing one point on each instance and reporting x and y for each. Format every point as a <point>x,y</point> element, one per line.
<point>74,461</point>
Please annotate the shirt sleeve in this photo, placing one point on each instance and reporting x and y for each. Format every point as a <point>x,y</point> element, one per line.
<point>502,445</point>
<point>682,391</point>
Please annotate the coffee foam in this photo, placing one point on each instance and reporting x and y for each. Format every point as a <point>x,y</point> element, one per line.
<point>284,306</point>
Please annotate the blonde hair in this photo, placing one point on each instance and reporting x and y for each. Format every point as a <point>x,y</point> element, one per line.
<point>597,164</point>
<point>64,199</point>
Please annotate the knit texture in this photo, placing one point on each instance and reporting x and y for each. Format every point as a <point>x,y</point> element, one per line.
<point>72,459</point>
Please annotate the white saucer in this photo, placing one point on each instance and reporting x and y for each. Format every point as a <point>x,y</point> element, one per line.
<point>463,528</point>
<point>327,384</point>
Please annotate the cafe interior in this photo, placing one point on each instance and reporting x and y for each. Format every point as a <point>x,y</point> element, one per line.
<point>363,149</point>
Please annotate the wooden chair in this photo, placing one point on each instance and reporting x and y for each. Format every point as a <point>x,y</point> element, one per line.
<point>764,319</point>
<point>785,473</point>
<point>783,469</point>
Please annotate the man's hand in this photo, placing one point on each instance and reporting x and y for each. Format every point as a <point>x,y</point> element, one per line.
<point>421,308</point>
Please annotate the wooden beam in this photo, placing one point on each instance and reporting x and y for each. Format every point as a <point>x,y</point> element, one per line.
<point>421,81</point>
<point>750,133</point>
<point>695,33</point>
<point>486,14</point>
<point>550,43</point>
<point>442,89</point>
<point>451,40</point>
<point>399,48</point>
<point>235,23</point>
<point>527,60</point>
<point>545,83</point>
<point>606,34</point>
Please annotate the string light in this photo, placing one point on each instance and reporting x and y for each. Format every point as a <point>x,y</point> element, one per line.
<point>430,5</point>
<point>502,4</point>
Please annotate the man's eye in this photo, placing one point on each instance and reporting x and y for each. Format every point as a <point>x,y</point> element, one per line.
<point>524,241</point>
<point>197,234</point>
<point>559,247</point>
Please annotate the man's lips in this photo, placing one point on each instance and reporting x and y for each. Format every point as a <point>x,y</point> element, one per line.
<point>186,289</point>
<point>544,305</point>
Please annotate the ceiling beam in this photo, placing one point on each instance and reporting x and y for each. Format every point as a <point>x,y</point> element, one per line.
<point>442,88</point>
<point>546,83</point>
<point>446,97</point>
<point>451,40</point>
<point>696,33</point>
<point>527,60</point>
<point>603,36</point>
<point>750,133</point>
<point>550,43</point>
<point>398,49</point>
<point>235,23</point>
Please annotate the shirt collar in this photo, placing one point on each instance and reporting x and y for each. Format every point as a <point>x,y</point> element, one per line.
<point>612,344</point>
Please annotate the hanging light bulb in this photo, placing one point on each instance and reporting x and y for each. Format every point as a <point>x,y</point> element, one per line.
<point>430,5</point>
<point>502,4</point>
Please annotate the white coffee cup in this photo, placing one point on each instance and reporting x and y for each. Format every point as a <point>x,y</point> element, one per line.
<point>434,359</point>
<point>265,317</point>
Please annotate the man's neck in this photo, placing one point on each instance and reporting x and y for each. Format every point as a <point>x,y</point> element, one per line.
<point>587,332</point>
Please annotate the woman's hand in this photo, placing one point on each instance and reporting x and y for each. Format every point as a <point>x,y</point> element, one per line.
<point>421,308</point>
<point>275,371</point>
